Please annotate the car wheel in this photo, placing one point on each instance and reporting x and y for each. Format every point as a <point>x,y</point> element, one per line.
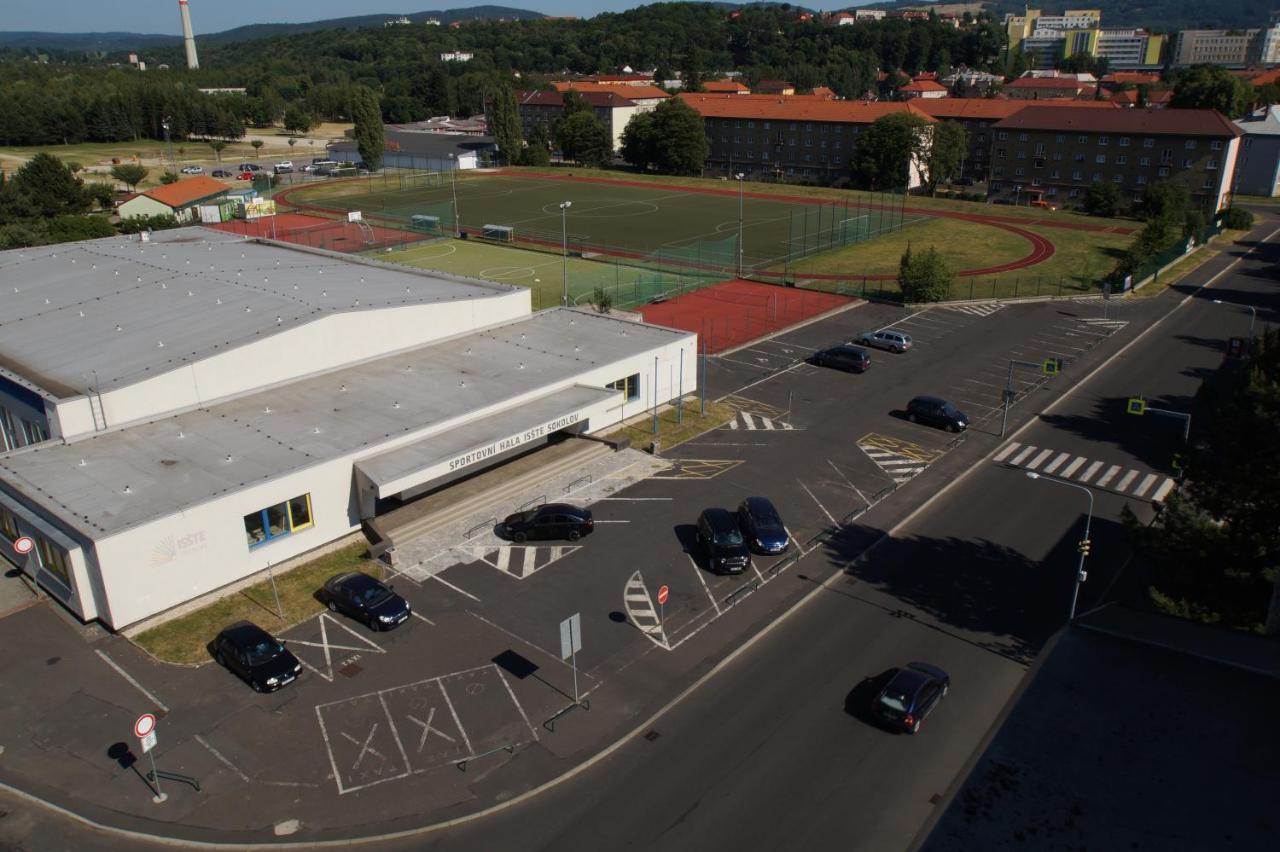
<point>574,535</point>
<point>333,607</point>
<point>219,659</point>
<point>954,428</point>
<point>255,686</point>
<point>911,418</point>
<point>519,537</point>
<point>898,350</point>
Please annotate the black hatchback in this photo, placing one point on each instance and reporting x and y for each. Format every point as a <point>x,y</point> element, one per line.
<point>721,542</point>
<point>255,655</point>
<point>359,596</point>
<point>846,357</point>
<point>937,412</point>
<point>910,695</point>
<point>549,521</point>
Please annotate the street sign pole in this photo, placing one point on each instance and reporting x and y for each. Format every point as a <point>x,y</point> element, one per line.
<point>663,594</point>
<point>573,657</point>
<point>145,730</point>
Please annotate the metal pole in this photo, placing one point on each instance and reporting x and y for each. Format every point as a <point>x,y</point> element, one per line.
<point>453,183</point>
<point>680,402</point>
<point>155,778</point>
<point>1008,392</point>
<point>573,656</point>
<point>740,176</point>
<point>655,394</point>
<point>271,577</point>
<point>1253,319</point>
<point>702,385</point>
<point>564,247</point>
<point>1075,591</point>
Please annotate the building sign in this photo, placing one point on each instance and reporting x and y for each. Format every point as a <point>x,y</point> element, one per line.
<point>173,547</point>
<point>513,442</point>
<point>259,207</point>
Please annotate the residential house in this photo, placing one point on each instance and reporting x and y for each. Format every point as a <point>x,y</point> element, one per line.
<point>923,89</point>
<point>180,199</point>
<point>1258,169</point>
<point>774,87</point>
<point>611,106</point>
<point>1042,88</point>
<point>732,87</point>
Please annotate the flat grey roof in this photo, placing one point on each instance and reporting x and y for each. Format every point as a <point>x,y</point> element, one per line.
<point>128,310</point>
<point>119,479</point>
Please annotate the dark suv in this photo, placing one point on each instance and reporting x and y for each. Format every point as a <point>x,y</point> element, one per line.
<point>910,696</point>
<point>549,521</point>
<point>846,356</point>
<point>722,543</point>
<point>937,412</point>
<point>255,655</point>
<point>360,596</point>
<point>762,526</point>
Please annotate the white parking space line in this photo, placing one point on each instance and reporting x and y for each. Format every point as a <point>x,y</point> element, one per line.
<point>703,581</point>
<point>134,683</point>
<point>1039,460</point>
<point>755,366</point>
<point>422,617</point>
<point>1090,471</point>
<point>1057,462</point>
<point>1053,344</point>
<point>1073,467</point>
<point>442,580</point>
<point>1008,449</point>
<point>819,502</point>
<point>1145,486</point>
<point>519,706</point>
<point>1109,475</point>
<point>1163,491</point>
<point>633,499</point>
<point>223,758</point>
<point>1128,478</point>
<point>1022,456</point>
<point>453,713</point>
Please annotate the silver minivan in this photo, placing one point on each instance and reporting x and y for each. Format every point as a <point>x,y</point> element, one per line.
<point>886,338</point>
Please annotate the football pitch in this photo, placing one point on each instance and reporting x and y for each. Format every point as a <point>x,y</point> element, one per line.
<point>664,226</point>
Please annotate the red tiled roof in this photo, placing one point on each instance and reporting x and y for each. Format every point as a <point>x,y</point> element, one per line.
<point>610,98</point>
<point>185,192</point>
<point>1265,77</point>
<point>618,78</point>
<point>1135,77</point>
<point>823,92</point>
<point>793,108</point>
<point>724,86</point>
<point>626,91</point>
<point>1044,83</point>
<point>923,86</point>
<point>994,108</point>
<point>1150,122</point>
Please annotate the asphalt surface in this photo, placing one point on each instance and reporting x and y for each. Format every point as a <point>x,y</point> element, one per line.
<point>775,750</point>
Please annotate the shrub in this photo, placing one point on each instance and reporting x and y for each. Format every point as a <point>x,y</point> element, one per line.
<point>1237,219</point>
<point>134,224</point>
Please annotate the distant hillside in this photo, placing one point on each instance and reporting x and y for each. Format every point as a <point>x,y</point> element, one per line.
<point>1161,15</point>
<point>118,41</point>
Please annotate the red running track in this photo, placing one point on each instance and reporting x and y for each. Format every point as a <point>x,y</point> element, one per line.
<point>735,312</point>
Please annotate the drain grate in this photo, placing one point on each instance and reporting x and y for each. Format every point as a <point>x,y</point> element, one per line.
<point>652,735</point>
<point>350,670</point>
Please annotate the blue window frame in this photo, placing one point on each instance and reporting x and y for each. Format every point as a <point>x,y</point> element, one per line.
<point>282,519</point>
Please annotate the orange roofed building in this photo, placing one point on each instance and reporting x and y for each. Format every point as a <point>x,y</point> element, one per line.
<point>787,136</point>
<point>178,199</point>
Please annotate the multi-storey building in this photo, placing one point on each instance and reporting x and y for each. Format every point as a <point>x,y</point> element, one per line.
<point>611,107</point>
<point>1056,154</point>
<point>1044,39</point>
<point>788,137</point>
<point>1258,172</point>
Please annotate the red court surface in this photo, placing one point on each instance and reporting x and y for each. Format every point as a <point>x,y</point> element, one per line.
<point>332,234</point>
<point>732,313</point>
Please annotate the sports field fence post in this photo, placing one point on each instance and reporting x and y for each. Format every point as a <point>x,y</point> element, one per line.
<point>1015,286</point>
<point>971,280</point>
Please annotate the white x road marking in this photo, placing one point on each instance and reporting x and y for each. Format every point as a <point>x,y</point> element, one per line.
<point>365,748</point>
<point>427,729</point>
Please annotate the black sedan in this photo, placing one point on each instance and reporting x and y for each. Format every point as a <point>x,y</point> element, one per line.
<point>255,655</point>
<point>910,695</point>
<point>365,599</point>
<point>762,526</point>
<point>549,521</point>
<point>846,356</point>
<point>937,412</point>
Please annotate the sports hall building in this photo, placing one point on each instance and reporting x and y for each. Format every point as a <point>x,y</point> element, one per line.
<point>182,412</point>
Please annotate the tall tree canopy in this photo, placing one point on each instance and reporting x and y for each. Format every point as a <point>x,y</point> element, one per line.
<point>1212,87</point>
<point>670,138</point>
<point>888,148</point>
<point>367,115</point>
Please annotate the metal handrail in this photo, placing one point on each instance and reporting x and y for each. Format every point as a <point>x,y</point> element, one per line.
<point>173,776</point>
<point>462,764</point>
<point>587,479</point>
<point>490,522</point>
<point>540,500</point>
<point>745,589</point>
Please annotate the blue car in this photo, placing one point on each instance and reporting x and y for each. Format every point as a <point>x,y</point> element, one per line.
<point>762,526</point>
<point>910,695</point>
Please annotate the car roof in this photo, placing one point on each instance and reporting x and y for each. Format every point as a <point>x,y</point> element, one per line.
<point>720,518</point>
<point>353,579</point>
<point>245,633</point>
<point>909,680</point>
<point>936,400</point>
<point>565,509</point>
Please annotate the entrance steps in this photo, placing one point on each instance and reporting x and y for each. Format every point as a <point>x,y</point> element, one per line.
<point>487,491</point>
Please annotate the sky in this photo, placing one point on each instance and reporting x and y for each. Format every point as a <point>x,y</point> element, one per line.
<point>161,16</point>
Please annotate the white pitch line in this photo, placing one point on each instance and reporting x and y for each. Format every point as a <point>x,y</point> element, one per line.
<point>819,502</point>
<point>1090,471</point>
<point>703,581</point>
<point>1008,449</point>
<point>124,674</point>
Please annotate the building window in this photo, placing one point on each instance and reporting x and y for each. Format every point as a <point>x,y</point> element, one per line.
<point>53,559</point>
<point>1077,175</point>
<point>1054,175</point>
<point>1164,171</point>
<point>1097,177</point>
<point>1035,181</point>
<point>1020,154</point>
<point>1190,144</point>
<point>1022,137</point>
<point>1212,165</point>
<point>836,159</point>
<point>751,125</point>
<point>1019,172</point>
<point>997,172</point>
<point>278,521</point>
<point>8,434</point>
<point>1073,193</point>
<point>35,433</point>
<point>1082,139</point>
<point>1057,155</point>
<point>1140,180</point>
<point>8,524</point>
<point>1119,178</point>
<point>1052,192</point>
<point>995,186</point>
<point>1208,183</point>
<point>1039,149</point>
<point>1144,161</point>
<point>1100,159</point>
<point>1216,145</point>
<point>1079,158</point>
<point>1002,136</point>
<point>1123,142</point>
<point>1166,157</point>
<point>629,386</point>
<point>764,155</point>
<point>1060,139</point>
<point>1122,159</point>
<point>765,125</point>
<point>1104,141</point>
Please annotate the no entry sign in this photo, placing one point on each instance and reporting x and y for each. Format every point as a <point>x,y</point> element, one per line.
<point>146,724</point>
<point>23,545</point>
<point>663,594</point>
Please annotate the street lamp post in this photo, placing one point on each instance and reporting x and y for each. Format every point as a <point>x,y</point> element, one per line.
<point>1084,545</point>
<point>740,176</point>
<point>453,184</point>
<point>564,248</point>
<point>1253,318</point>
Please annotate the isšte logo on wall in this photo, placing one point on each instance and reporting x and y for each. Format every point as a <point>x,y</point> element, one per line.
<point>173,547</point>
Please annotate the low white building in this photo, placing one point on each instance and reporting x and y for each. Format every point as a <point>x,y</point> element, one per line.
<point>207,405</point>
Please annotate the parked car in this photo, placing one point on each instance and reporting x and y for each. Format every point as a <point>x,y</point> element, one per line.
<point>846,356</point>
<point>283,170</point>
<point>359,596</point>
<point>256,656</point>
<point>910,696</point>
<point>249,167</point>
<point>721,542</point>
<point>245,176</point>
<point>886,338</point>
<point>285,164</point>
<point>549,521</point>
<point>193,170</point>
<point>933,411</point>
<point>221,173</point>
<point>1046,205</point>
<point>762,526</point>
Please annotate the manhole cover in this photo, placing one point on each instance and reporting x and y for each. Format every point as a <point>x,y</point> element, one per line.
<point>350,670</point>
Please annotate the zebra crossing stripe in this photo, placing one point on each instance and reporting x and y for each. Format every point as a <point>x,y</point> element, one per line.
<point>1008,449</point>
<point>1163,491</point>
<point>1057,462</point>
<point>1148,481</point>
<point>1109,475</point>
<point>1073,467</point>
<point>1039,460</point>
<point>1092,469</point>
<point>1128,478</point>
<point>1022,456</point>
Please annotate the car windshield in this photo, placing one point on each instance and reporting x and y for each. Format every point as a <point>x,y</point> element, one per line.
<point>767,521</point>
<point>267,649</point>
<point>373,595</point>
<point>726,538</point>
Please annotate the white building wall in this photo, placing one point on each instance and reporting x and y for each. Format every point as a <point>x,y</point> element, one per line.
<point>143,205</point>
<point>328,343</point>
<point>1229,156</point>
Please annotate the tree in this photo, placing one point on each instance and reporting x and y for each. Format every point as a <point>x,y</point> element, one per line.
<point>1168,200</point>
<point>257,147</point>
<point>947,148</point>
<point>888,149</point>
<point>50,187</point>
<point>169,177</point>
<point>924,276</point>
<point>130,174</point>
<point>298,120</point>
<point>367,115</point>
<point>217,145</point>
<point>638,140</point>
<point>1102,199</point>
<point>537,150</point>
<point>1237,219</point>
<point>671,137</point>
<point>1212,87</point>
<point>584,139</point>
<point>103,193</point>
<point>601,300</point>
<point>504,122</point>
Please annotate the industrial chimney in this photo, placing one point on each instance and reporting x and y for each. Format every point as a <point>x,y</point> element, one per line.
<point>188,37</point>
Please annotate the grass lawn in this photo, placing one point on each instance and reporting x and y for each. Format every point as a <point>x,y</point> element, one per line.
<point>1188,264</point>
<point>672,433</point>
<point>183,639</point>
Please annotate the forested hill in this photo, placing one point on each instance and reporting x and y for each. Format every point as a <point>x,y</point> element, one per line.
<point>123,41</point>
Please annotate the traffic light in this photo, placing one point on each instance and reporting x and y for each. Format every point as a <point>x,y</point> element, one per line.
<point>1177,462</point>
<point>1084,546</point>
<point>1137,405</point>
<point>1051,366</point>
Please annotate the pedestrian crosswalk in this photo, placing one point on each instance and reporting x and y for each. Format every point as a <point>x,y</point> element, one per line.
<point>518,561</point>
<point>981,310</point>
<point>900,468</point>
<point>749,422</point>
<point>1096,474</point>
<point>640,609</point>
<point>1103,323</point>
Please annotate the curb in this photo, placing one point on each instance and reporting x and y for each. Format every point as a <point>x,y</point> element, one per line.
<point>1178,649</point>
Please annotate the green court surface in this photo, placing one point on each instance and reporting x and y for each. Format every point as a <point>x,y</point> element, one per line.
<point>543,272</point>
<point>661,226</point>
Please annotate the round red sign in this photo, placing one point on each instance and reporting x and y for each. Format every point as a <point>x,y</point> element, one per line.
<point>146,724</point>
<point>23,545</point>
<point>663,594</point>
